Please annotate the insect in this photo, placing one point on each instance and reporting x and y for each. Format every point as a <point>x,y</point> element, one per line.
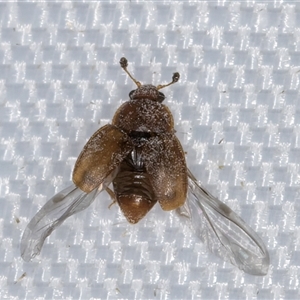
<point>142,158</point>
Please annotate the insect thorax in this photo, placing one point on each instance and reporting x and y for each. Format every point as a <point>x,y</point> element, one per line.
<point>144,115</point>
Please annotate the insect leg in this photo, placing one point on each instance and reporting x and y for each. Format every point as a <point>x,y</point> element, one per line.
<point>112,196</point>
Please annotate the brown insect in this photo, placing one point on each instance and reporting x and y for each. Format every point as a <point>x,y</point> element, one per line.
<point>143,159</point>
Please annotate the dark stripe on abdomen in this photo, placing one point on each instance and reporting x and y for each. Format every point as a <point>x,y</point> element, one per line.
<point>132,177</point>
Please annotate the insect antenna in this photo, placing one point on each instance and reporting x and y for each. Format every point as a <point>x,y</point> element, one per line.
<point>124,65</point>
<point>175,78</point>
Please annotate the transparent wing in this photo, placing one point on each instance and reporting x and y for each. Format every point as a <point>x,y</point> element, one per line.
<point>223,231</point>
<point>63,205</point>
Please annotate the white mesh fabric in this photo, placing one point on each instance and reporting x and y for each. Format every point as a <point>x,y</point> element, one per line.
<point>237,114</point>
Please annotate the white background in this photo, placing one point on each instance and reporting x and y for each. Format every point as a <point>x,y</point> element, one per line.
<point>237,114</point>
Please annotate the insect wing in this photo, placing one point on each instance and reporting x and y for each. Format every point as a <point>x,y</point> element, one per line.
<point>103,152</point>
<point>165,162</point>
<point>63,205</point>
<point>223,231</point>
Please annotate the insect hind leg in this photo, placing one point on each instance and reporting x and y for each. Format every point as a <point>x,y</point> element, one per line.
<point>112,196</point>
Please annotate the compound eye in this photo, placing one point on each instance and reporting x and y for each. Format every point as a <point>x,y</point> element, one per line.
<point>161,97</point>
<point>130,94</point>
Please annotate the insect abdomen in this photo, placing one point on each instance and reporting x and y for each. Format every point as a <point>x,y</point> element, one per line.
<point>132,187</point>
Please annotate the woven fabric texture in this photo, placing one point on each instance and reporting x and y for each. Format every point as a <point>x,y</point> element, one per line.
<point>237,114</point>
